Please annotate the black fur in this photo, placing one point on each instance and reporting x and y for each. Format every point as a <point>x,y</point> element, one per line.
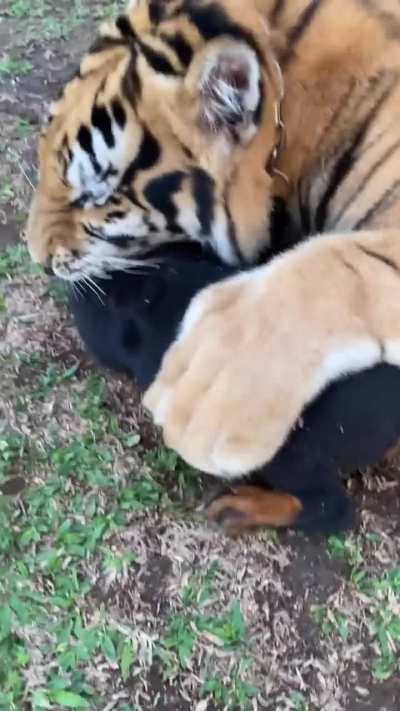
<point>141,312</point>
<point>350,426</point>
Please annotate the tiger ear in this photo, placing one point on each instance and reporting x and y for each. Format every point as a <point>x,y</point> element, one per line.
<point>228,78</point>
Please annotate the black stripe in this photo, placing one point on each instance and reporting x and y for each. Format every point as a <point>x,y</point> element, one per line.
<point>123,240</point>
<point>148,155</point>
<point>109,171</point>
<point>114,200</point>
<point>277,10</point>
<point>157,61</point>
<point>156,12</point>
<point>131,84</point>
<point>203,194</point>
<point>212,21</point>
<point>349,266</point>
<point>336,118</point>
<point>305,216</point>
<point>130,194</point>
<point>65,149</point>
<point>257,116</point>
<point>384,201</point>
<point>81,201</point>
<point>180,46</point>
<point>102,44</point>
<point>298,30</point>
<point>115,215</point>
<point>232,235</point>
<point>101,120</point>
<point>367,177</point>
<point>346,161</point>
<point>284,230</point>
<point>123,24</point>
<point>91,231</point>
<point>380,257</point>
<point>85,141</point>
<point>119,113</point>
<point>159,193</point>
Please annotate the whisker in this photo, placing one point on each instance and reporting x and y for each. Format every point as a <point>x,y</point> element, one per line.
<point>92,289</point>
<point>95,285</point>
<point>127,261</point>
<point>77,288</point>
<point>129,270</point>
<point>73,291</point>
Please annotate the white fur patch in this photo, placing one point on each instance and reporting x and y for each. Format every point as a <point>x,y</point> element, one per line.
<point>201,301</point>
<point>352,358</point>
<point>392,352</point>
<point>221,241</point>
<point>81,174</point>
<point>194,312</point>
<point>132,224</point>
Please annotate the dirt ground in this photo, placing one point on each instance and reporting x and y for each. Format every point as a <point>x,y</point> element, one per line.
<point>114,594</point>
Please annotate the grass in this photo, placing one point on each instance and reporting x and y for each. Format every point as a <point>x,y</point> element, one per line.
<point>233,693</point>
<point>70,519</point>
<point>21,9</point>
<point>24,128</point>
<point>378,617</point>
<point>200,587</point>
<point>72,505</point>
<point>14,261</point>
<point>44,20</point>
<point>14,67</point>
<point>60,530</point>
<point>6,193</point>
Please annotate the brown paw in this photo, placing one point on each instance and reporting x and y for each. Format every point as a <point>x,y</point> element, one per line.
<point>250,507</point>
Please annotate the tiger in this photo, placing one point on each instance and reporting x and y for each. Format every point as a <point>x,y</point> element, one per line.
<point>188,120</point>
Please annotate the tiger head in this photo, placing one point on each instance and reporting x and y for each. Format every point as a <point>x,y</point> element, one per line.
<point>162,135</point>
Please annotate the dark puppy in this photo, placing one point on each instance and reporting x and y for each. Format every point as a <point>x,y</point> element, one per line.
<point>350,426</point>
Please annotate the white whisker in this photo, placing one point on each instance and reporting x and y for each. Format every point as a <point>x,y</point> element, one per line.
<point>95,285</point>
<point>92,289</point>
<point>77,290</point>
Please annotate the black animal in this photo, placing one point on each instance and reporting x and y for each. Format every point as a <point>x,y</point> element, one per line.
<point>350,426</point>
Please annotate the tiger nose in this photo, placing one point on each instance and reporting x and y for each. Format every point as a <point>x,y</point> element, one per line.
<point>48,269</point>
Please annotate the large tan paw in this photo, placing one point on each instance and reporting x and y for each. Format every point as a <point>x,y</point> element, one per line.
<point>208,396</point>
<point>222,396</point>
<point>252,352</point>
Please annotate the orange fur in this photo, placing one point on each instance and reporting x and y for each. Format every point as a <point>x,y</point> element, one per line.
<point>250,507</point>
